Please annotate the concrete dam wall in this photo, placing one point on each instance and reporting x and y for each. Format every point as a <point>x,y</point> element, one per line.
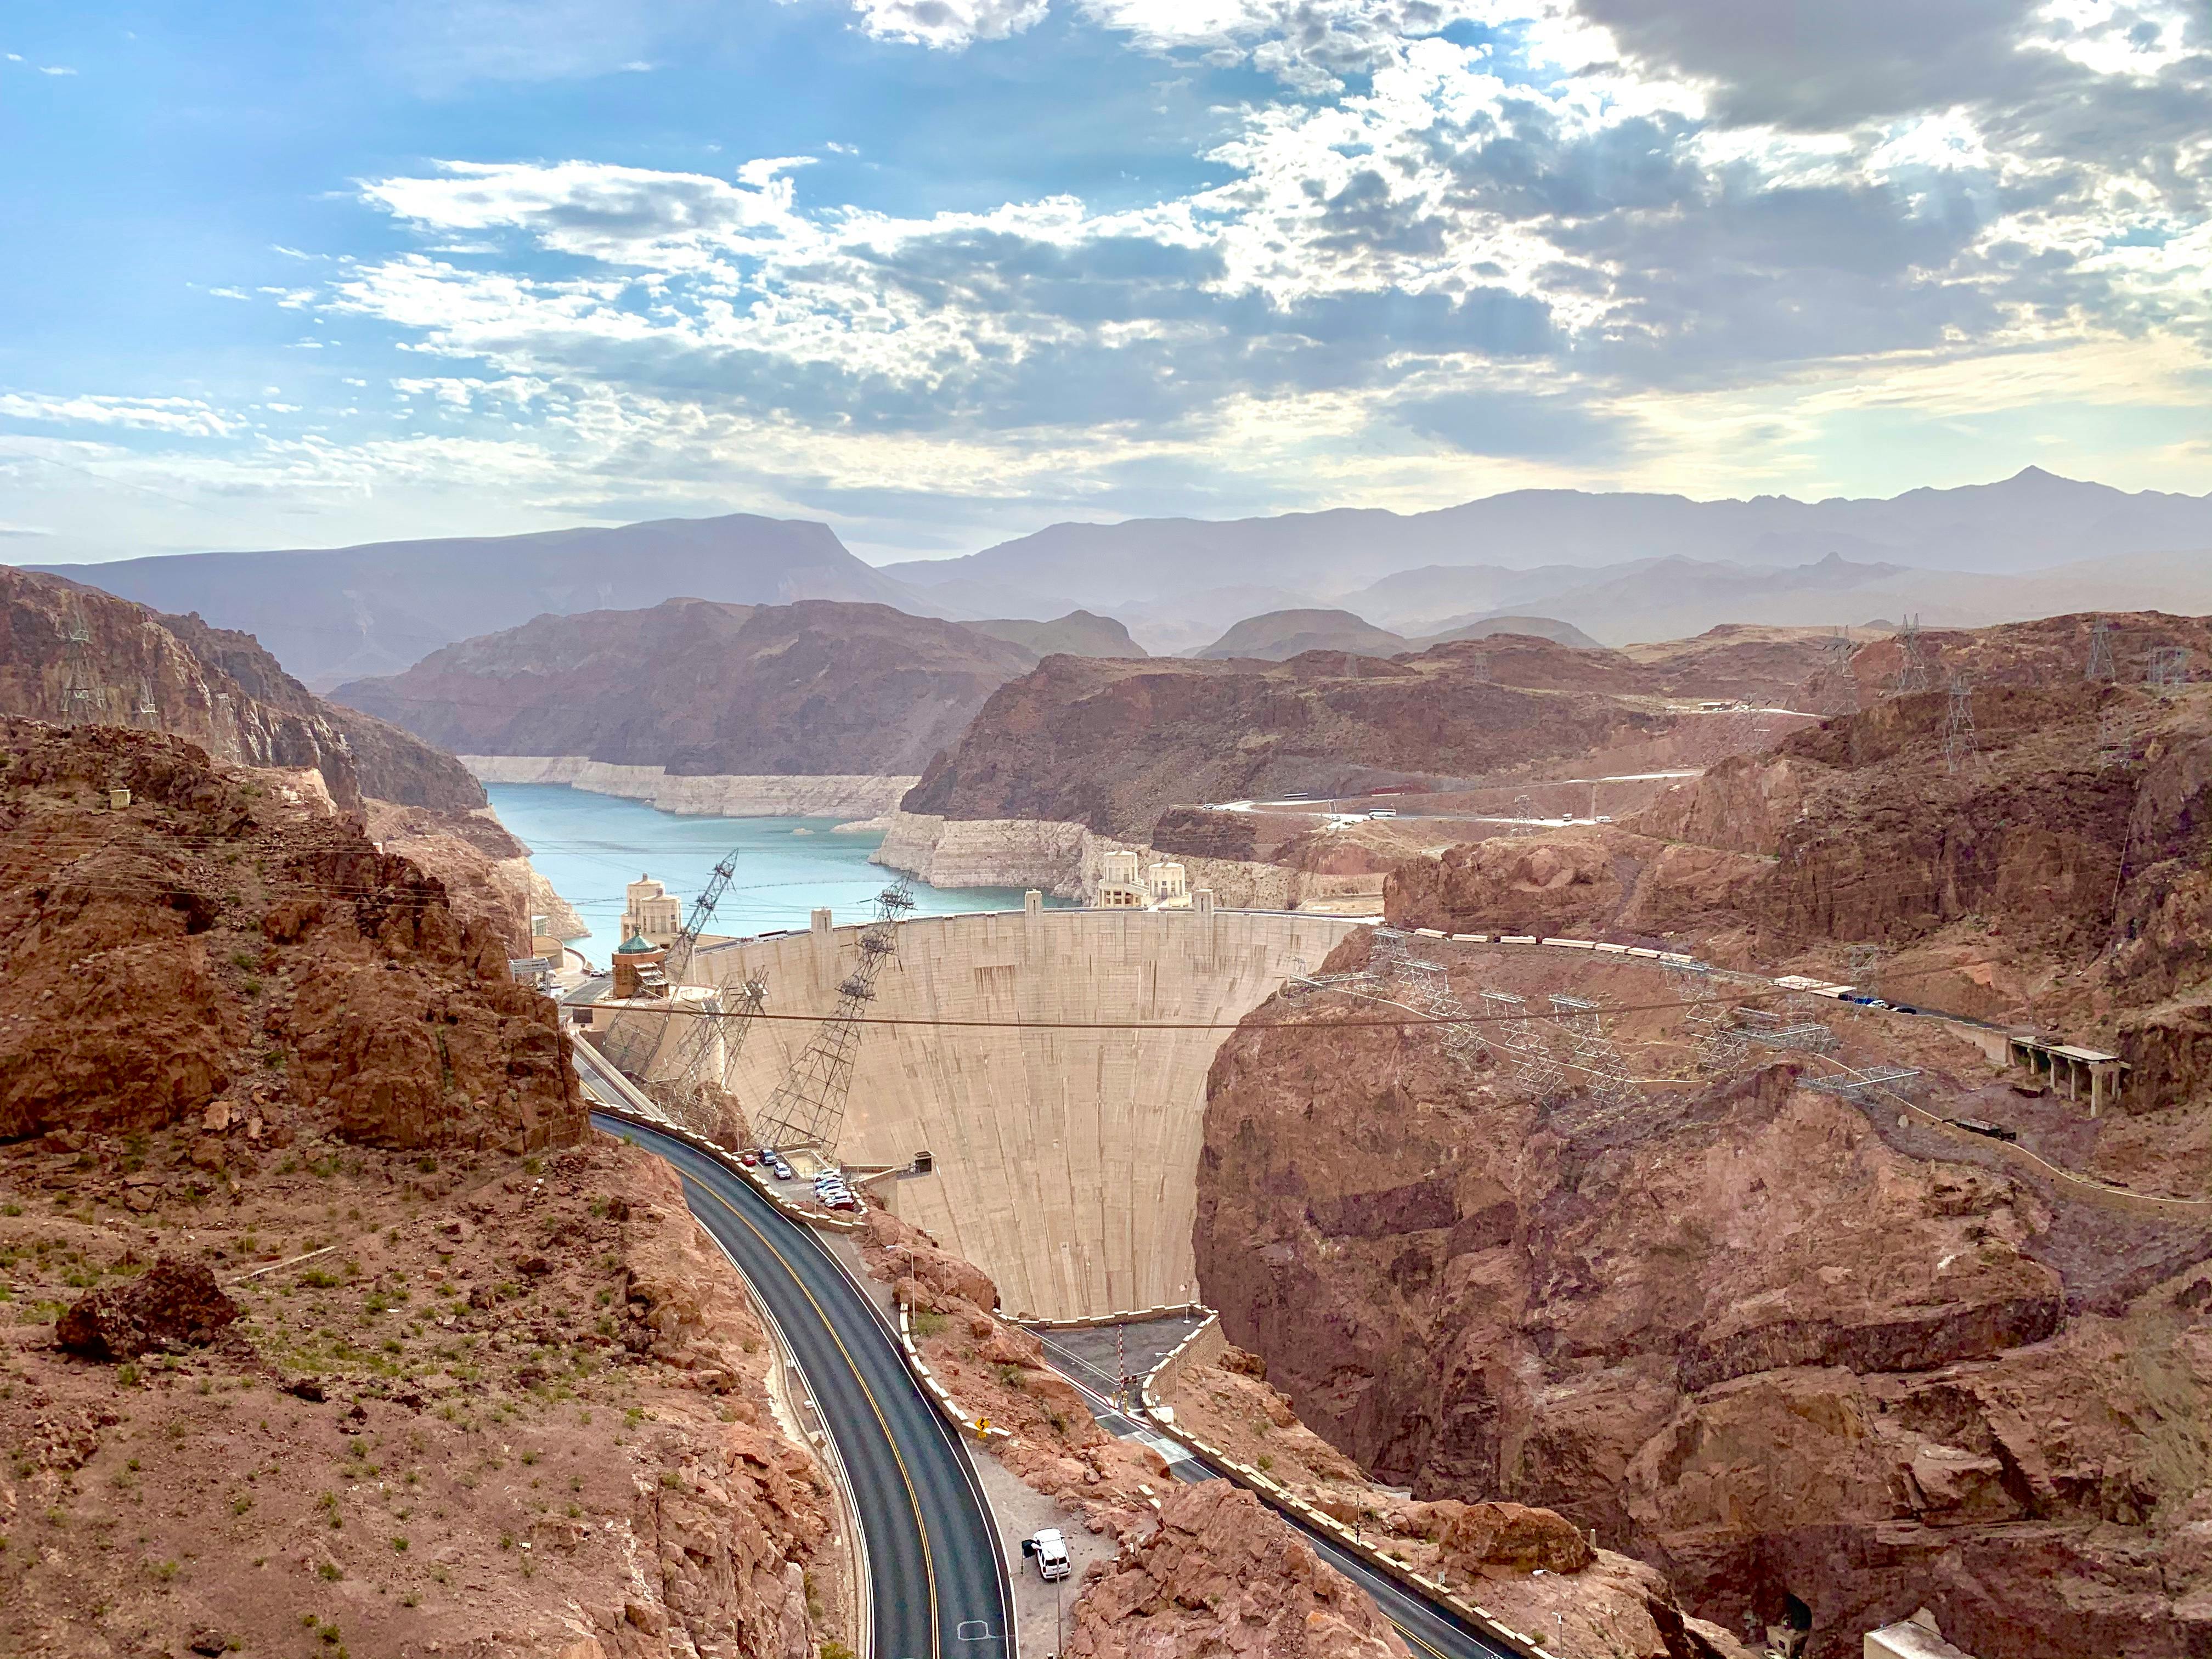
<point>1065,1160</point>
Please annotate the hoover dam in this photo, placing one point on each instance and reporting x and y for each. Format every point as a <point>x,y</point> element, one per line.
<point>1065,1159</point>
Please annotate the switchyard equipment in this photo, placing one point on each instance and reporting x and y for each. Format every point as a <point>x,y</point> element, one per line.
<point>1603,1073</point>
<point>808,1107</point>
<point>1860,1085</point>
<point>1807,1038</point>
<point>631,1039</point>
<point>1514,1035</point>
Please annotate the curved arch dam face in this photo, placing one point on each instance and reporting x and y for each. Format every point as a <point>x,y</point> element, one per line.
<point>1065,1161</point>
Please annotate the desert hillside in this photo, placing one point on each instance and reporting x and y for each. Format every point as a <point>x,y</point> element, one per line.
<point>332,1323</point>
<point>1113,745</point>
<point>702,689</point>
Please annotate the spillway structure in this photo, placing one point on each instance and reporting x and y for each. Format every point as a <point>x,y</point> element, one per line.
<point>1064,1139</point>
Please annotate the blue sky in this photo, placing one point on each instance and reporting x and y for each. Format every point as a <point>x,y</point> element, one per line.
<point>940,271</point>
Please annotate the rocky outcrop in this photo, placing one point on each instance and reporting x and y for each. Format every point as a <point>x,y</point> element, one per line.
<point>814,688</point>
<point>1111,745</point>
<point>1810,1364</point>
<point>136,668</point>
<point>214,939</point>
<point>710,795</point>
<point>1223,1576</point>
<point>173,1303</point>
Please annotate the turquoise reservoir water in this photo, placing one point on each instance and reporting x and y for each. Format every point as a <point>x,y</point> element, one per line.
<point>589,846</point>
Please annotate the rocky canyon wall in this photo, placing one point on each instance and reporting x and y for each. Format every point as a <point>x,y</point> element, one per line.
<point>1802,1359</point>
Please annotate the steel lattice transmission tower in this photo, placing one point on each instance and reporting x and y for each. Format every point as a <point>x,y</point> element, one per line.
<point>708,1057</point>
<point>2165,667</point>
<point>1912,672</point>
<point>1838,687</point>
<point>1958,725</point>
<point>632,1039</point>
<point>81,694</point>
<point>147,713</point>
<point>2101,665</point>
<point>1425,987</point>
<point>808,1107</point>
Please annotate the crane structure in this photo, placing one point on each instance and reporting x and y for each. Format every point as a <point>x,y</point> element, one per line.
<point>631,1039</point>
<point>808,1107</point>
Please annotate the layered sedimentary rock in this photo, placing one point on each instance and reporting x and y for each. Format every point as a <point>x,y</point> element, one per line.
<point>709,795</point>
<point>700,689</point>
<point>212,942</point>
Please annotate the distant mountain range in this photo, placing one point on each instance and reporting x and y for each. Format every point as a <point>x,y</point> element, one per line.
<point>345,612</point>
<point>1278,635</point>
<point>1620,568</point>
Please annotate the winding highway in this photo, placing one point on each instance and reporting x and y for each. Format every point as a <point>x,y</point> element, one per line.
<point>1429,1631</point>
<point>937,1578</point>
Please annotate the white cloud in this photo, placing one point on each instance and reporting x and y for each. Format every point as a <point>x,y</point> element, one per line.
<point>186,417</point>
<point>948,24</point>
<point>55,69</point>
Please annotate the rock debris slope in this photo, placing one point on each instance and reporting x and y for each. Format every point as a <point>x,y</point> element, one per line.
<point>331,1328</point>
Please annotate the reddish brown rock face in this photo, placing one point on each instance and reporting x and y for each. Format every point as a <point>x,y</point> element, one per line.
<point>212,942</point>
<point>701,687</point>
<point>1803,1361</point>
<point>1223,1576</point>
<point>216,687</point>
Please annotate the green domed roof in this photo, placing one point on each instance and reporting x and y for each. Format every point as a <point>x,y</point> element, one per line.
<point>636,945</point>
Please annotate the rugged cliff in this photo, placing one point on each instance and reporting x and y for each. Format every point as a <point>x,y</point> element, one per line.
<point>1819,1365</point>
<point>701,689</point>
<point>1113,746</point>
<point>214,939</point>
<point>137,668</point>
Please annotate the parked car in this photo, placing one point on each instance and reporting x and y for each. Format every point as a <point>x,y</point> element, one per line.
<point>748,1159</point>
<point>1050,1551</point>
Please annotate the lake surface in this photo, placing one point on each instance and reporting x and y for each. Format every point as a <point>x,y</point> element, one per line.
<point>591,847</point>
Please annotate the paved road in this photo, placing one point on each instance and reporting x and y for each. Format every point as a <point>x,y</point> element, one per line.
<point>1430,1630</point>
<point>936,1575</point>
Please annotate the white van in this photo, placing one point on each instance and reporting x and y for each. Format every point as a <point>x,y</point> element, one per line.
<point>1050,1551</point>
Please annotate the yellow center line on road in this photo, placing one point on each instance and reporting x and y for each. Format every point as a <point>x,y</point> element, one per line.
<point>914,1500</point>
